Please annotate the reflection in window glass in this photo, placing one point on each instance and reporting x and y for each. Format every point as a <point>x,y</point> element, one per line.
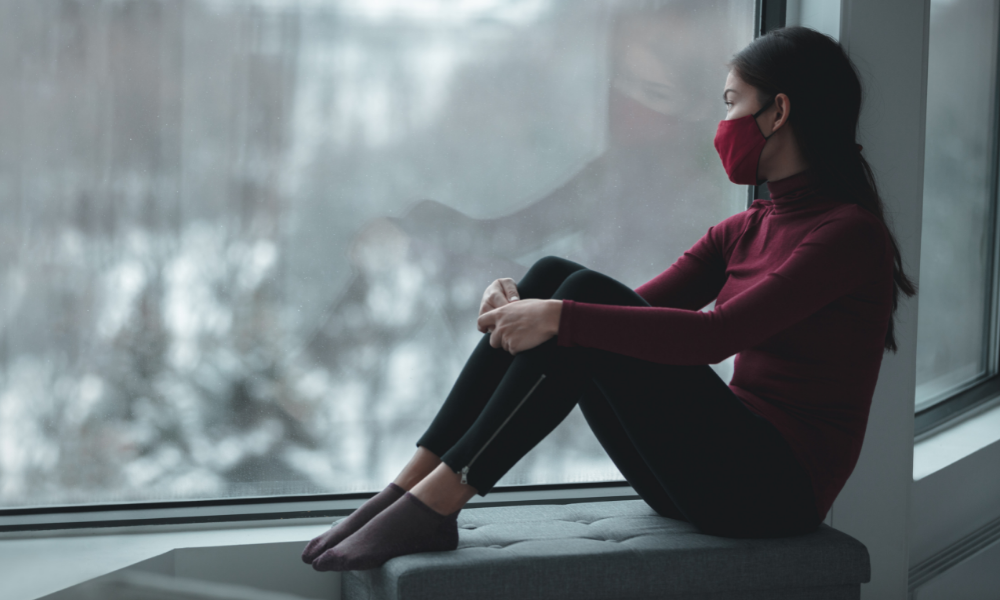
<point>956,240</point>
<point>244,242</point>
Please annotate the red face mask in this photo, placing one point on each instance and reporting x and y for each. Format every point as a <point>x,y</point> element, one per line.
<point>739,143</point>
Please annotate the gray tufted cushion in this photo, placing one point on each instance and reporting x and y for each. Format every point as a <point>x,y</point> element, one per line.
<point>620,549</point>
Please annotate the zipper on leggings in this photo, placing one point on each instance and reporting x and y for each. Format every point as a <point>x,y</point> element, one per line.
<point>465,470</point>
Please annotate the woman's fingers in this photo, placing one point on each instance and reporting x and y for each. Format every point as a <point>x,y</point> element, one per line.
<point>493,298</point>
<point>499,293</point>
<point>509,289</point>
<point>496,339</point>
<point>487,322</point>
<point>481,325</point>
<point>519,326</point>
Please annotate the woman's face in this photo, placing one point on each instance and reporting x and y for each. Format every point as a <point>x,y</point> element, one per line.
<point>668,58</point>
<point>740,97</point>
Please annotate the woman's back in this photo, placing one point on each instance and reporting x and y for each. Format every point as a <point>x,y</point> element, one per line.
<point>814,379</point>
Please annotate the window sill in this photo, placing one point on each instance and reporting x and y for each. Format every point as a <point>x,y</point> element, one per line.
<point>954,495</point>
<point>81,555</point>
<point>241,513</point>
<point>968,435</point>
<point>36,567</point>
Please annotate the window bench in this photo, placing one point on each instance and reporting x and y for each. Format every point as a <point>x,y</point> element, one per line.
<point>614,550</point>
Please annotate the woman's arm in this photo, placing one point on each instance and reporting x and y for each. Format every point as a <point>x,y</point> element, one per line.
<point>830,262</point>
<point>694,280</point>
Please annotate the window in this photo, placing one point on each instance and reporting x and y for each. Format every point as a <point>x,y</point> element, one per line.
<point>957,340</point>
<point>245,241</point>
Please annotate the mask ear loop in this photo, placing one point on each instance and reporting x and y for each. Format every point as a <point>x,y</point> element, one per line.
<point>766,106</point>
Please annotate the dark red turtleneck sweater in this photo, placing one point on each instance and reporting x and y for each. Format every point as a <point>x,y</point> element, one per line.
<point>803,291</point>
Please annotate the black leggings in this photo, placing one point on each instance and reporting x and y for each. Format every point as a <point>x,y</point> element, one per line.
<point>678,434</point>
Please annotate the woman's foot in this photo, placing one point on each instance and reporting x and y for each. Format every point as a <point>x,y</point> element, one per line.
<point>355,521</point>
<point>407,527</point>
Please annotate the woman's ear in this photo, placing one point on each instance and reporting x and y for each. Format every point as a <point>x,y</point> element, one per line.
<point>783,107</point>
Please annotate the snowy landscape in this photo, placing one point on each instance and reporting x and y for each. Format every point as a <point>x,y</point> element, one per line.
<point>244,243</point>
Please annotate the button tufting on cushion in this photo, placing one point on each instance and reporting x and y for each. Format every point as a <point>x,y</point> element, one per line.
<point>546,558</point>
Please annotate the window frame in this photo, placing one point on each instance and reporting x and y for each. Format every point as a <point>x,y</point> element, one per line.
<point>769,14</point>
<point>302,509</point>
<point>973,394</point>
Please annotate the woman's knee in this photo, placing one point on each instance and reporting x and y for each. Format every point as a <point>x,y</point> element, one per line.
<point>598,288</point>
<point>545,276</point>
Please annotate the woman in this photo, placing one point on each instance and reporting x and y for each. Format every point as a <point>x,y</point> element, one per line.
<point>805,286</point>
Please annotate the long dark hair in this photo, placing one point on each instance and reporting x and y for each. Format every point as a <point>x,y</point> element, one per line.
<point>823,85</point>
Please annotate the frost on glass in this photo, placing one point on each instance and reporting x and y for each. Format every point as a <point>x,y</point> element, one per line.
<point>957,230</point>
<point>244,243</point>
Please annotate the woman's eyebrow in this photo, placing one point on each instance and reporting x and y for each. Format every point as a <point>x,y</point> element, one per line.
<point>727,91</point>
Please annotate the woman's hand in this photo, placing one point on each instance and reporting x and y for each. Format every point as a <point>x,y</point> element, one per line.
<point>499,293</point>
<point>521,325</point>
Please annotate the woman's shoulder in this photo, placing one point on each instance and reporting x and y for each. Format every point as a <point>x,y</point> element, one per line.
<point>740,219</point>
<point>727,231</point>
<point>849,228</point>
<point>848,217</point>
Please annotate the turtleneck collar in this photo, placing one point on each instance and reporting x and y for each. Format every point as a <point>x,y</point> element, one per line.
<point>797,192</point>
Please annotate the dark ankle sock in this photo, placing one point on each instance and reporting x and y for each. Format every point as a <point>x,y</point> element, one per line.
<point>355,521</point>
<point>407,527</point>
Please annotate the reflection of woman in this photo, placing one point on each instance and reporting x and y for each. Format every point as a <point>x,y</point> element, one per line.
<point>652,165</point>
<point>805,287</point>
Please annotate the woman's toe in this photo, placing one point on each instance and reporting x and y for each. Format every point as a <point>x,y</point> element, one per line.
<point>311,551</point>
<point>331,560</point>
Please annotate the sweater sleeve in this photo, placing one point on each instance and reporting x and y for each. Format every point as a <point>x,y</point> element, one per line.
<point>837,256</point>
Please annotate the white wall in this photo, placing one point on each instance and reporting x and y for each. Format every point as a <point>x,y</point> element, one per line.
<point>821,15</point>
<point>888,42</point>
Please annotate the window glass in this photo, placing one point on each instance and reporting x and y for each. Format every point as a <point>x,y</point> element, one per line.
<point>956,242</point>
<point>244,242</point>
